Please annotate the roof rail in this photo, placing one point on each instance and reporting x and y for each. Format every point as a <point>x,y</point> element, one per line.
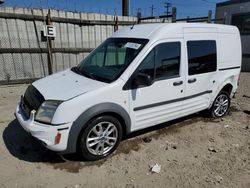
<point>172,16</point>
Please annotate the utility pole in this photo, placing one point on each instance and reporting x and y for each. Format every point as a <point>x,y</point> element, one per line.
<point>167,6</point>
<point>152,9</point>
<point>138,10</point>
<point>125,7</point>
<point>174,14</point>
<point>209,18</point>
<point>49,45</point>
<point>116,24</point>
<point>138,15</point>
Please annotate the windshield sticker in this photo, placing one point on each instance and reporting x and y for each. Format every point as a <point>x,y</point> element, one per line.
<point>132,45</point>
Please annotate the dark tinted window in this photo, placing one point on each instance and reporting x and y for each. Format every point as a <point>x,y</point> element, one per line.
<point>201,56</point>
<point>242,21</point>
<point>167,60</point>
<point>162,62</point>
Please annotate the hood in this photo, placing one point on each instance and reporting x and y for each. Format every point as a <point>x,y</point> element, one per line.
<point>65,85</point>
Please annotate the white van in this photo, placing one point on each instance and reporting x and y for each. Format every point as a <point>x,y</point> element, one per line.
<point>141,76</point>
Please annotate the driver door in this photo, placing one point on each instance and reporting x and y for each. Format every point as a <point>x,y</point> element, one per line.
<point>157,86</point>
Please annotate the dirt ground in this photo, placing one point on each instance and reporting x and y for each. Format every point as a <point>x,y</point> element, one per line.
<point>193,152</point>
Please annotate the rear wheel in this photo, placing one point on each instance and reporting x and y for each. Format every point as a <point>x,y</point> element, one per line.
<point>101,137</point>
<point>221,105</point>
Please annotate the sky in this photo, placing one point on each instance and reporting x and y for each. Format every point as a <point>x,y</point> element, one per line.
<point>191,8</point>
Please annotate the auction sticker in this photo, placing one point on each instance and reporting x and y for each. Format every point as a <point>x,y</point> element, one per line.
<point>132,45</point>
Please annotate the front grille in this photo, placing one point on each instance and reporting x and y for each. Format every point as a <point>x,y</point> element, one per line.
<point>31,100</point>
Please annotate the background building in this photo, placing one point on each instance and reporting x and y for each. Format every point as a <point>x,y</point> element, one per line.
<point>237,12</point>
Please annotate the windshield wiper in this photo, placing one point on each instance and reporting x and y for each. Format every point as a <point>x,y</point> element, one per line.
<point>82,72</point>
<point>75,69</point>
<point>88,74</point>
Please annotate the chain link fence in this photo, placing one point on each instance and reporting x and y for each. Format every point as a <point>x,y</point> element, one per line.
<point>24,52</point>
<point>13,64</point>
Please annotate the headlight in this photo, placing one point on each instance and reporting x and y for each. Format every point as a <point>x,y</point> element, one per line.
<point>46,111</point>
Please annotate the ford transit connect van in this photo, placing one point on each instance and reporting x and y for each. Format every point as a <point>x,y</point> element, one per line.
<point>139,77</point>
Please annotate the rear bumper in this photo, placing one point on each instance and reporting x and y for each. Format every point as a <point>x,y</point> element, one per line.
<point>47,134</point>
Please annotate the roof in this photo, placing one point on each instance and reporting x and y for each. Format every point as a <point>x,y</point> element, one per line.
<point>231,2</point>
<point>163,30</point>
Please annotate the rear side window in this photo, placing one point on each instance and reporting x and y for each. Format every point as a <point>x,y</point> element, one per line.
<point>202,57</point>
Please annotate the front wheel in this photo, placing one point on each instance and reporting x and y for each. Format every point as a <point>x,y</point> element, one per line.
<point>221,105</point>
<point>101,137</point>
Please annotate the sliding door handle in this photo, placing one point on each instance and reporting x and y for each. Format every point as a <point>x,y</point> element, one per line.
<point>178,83</point>
<point>192,80</point>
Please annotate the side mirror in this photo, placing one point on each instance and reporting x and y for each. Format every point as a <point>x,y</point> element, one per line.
<point>141,80</point>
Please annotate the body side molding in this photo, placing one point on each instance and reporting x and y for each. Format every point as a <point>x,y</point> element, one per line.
<point>170,101</point>
<point>229,68</point>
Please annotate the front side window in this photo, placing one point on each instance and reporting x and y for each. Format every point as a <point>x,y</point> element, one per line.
<point>110,59</point>
<point>162,62</point>
<point>202,56</point>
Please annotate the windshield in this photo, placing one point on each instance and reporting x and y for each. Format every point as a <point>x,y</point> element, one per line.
<point>110,59</point>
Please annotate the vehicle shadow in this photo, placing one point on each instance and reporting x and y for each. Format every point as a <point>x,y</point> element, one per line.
<point>167,127</point>
<point>22,146</point>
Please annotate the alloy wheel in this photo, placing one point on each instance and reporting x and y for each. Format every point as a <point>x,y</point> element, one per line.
<point>102,138</point>
<point>221,105</point>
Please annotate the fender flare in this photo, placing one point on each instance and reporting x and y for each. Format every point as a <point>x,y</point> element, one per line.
<point>81,122</point>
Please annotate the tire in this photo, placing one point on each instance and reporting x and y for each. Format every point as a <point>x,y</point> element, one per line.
<point>220,105</point>
<point>100,138</point>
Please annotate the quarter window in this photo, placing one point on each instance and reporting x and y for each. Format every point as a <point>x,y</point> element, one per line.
<point>202,56</point>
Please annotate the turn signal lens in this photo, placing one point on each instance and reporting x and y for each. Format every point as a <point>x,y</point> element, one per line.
<point>58,138</point>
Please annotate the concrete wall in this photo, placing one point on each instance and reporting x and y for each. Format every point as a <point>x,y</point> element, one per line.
<point>226,12</point>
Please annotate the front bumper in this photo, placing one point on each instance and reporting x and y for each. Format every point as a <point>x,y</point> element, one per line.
<point>47,134</point>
